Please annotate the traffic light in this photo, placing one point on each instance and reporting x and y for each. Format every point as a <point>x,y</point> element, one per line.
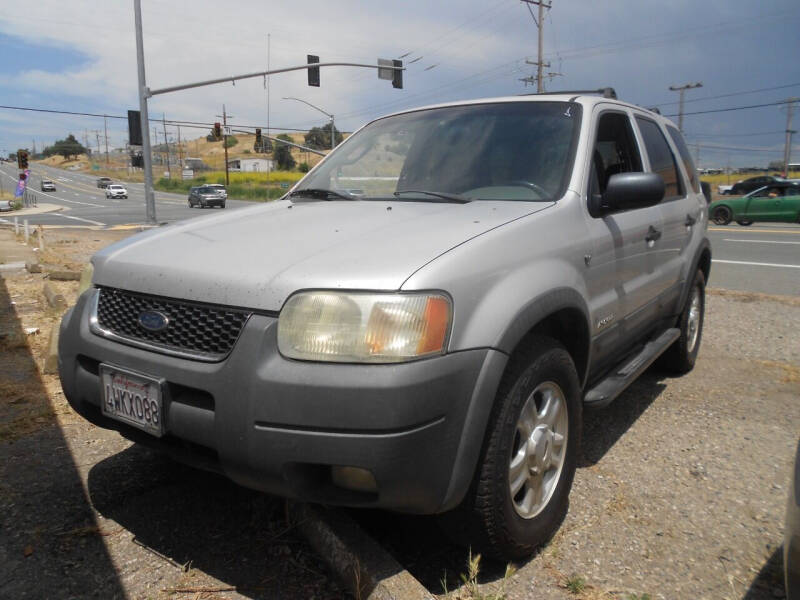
<point>22,159</point>
<point>259,141</point>
<point>217,131</point>
<point>397,76</point>
<point>313,72</point>
<point>134,128</point>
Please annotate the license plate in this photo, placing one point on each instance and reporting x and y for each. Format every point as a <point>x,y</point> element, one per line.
<point>133,398</point>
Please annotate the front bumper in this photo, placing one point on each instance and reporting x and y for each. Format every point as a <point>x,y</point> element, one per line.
<point>278,425</point>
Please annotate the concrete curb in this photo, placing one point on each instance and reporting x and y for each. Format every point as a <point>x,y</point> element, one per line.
<point>363,566</point>
<point>39,210</point>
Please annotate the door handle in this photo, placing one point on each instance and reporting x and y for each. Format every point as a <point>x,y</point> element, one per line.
<point>690,220</point>
<point>652,234</point>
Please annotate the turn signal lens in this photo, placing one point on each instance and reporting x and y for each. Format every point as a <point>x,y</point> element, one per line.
<point>363,327</point>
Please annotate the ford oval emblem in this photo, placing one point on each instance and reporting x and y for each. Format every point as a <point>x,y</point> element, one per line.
<point>152,320</point>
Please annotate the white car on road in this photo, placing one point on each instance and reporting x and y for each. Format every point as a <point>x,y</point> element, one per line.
<point>114,190</point>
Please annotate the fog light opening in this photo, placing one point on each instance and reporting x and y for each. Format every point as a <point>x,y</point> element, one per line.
<point>354,478</point>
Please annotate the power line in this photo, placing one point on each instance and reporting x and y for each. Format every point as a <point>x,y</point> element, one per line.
<point>716,110</point>
<point>768,89</point>
<point>734,134</point>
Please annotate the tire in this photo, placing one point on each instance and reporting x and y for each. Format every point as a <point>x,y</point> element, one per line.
<point>190,204</point>
<point>744,223</point>
<point>681,356</point>
<point>222,205</point>
<point>493,519</point>
<point>722,215</point>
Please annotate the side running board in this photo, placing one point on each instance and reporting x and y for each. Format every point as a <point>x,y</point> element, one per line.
<point>620,378</point>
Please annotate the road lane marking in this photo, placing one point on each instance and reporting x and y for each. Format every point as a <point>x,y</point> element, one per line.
<point>794,231</point>
<point>80,219</point>
<point>754,264</point>
<point>758,241</point>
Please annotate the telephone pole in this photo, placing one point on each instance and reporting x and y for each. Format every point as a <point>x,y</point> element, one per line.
<point>97,135</point>
<point>681,89</point>
<point>224,116</point>
<point>787,152</point>
<point>166,143</point>
<point>180,149</point>
<point>540,64</point>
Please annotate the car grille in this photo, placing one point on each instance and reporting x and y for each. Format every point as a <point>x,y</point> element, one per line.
<point>195,329</point>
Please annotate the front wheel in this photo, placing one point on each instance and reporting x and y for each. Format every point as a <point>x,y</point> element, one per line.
<point>722,215</point>
<point>519,494</point>
<point>681,356</point>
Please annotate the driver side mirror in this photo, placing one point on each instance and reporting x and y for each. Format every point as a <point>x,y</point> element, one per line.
<point>628,191</point>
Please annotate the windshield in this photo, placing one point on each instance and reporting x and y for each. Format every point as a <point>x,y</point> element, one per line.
<point>504,151</point>
<point>207,190</point>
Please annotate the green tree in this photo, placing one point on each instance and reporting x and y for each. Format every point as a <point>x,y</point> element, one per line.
<point>320,137</point>
<point>68,147</point>
<point>283,155</point>
<point>231,141</point>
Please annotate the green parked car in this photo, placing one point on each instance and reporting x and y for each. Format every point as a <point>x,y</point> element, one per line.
<point>779,201</point>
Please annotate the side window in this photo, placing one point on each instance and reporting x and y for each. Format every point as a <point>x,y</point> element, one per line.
<point>615,150</point>
<point>661,159</point>
<point>686,157</point>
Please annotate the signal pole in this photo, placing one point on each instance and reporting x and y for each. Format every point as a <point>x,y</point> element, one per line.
<point>681,89</point>
<point>787,151</point>
<point>540,64</point>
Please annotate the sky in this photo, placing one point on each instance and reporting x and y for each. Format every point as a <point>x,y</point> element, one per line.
<point>81,56</point>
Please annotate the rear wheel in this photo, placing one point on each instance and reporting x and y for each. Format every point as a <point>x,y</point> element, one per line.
<point>681,356</point>
<point>744,223</point>
<point>722,215</point>
<point>519,494</point>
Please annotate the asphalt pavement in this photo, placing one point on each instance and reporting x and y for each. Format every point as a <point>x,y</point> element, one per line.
<point>86,204</point>
<point>764,257</point>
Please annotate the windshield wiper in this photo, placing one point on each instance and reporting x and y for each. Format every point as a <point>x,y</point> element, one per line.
<point>441,196</point>
<point>323,194</point>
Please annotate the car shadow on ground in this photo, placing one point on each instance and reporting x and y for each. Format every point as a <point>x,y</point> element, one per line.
<point>602,428</point>
<point>769,581</point>
<point>49,542</point>
<point>193,519</point>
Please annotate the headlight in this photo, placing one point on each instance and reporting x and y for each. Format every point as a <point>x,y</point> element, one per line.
<point>363,327</point>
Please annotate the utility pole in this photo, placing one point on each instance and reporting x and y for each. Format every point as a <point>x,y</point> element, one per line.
<point>787,152</point>
<point>224,116</point>
<point>105,129</point>
<point>97,135</point>
<point>180,149</point>
<point>681,89</point>
<point>166,143</point>
<point>540,64</point>
<point>266,83</point>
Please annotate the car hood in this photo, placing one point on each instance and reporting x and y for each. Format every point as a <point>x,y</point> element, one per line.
<point>256,257</point>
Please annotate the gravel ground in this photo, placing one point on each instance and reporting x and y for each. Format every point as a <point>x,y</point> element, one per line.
<point>682,487</point>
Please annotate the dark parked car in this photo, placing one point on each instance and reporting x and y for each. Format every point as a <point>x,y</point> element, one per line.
<point>748,185</point>
<point>103,182</point>
<point>206,195</point>
<point>778,202</point>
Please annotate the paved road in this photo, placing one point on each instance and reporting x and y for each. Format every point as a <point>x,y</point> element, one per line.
<point>86,204</point>
<point>760,258</point>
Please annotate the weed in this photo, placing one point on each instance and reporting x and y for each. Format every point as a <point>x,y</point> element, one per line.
<point>637,597</point>
<point>471,589</point>
<point>575,584</point>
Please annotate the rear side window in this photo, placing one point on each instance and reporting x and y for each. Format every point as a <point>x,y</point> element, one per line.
<point>662,160</point>
<point>686,157</point>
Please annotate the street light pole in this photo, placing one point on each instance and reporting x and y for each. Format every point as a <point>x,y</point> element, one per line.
<point>333,129</point>
<point>149,196</point>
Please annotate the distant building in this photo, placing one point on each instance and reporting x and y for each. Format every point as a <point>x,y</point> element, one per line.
<point>249,165</point>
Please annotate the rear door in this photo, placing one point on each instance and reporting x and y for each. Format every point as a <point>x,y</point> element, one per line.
<point>680,209</point>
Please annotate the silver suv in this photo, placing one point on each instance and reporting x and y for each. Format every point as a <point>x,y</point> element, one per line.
<point>428,344</point>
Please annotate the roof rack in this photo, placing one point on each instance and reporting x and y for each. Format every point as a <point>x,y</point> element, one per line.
<point>606,92</point>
